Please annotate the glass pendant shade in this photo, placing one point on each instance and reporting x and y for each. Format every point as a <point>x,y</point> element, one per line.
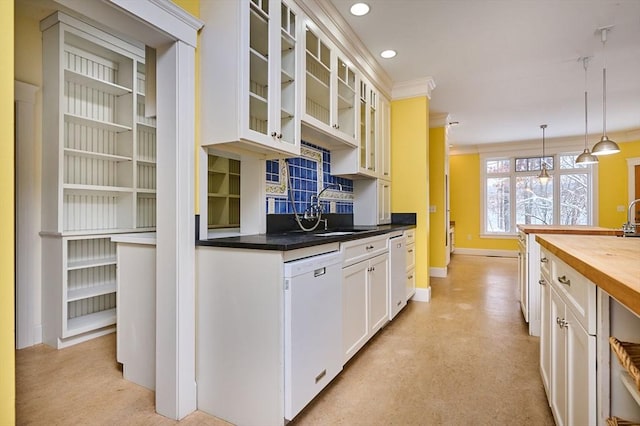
<point>544,176</point>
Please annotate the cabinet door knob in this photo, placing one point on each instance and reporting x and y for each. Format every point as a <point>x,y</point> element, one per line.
<point>542,282</point>
<point>279,135</point>
<point>274,134</point>
<point>544,260</point>
<point>564,280</point>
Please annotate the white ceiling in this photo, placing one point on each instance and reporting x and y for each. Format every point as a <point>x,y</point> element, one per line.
<point>503,67</point>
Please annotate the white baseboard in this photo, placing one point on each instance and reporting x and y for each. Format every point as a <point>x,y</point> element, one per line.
<point>422,295</point>
<point>438,272</point>
<point>487,252</point>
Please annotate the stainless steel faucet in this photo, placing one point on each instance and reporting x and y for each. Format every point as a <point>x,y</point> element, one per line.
<point>630,226</point>
<point>315,209</point>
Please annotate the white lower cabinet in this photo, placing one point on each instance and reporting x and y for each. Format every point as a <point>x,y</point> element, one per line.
<point>567,349</point>
<point>545,324</point>
<point>365,302</point>
<point>411,262</point>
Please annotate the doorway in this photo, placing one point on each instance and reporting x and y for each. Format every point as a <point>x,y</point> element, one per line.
<point>634,185</point>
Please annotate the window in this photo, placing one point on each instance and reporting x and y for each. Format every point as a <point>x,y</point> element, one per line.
<point>514,195</point>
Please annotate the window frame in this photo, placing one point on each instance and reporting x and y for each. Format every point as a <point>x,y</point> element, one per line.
<point>555,173</point>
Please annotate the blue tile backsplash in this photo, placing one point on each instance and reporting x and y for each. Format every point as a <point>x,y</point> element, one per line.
<point>310,173</point>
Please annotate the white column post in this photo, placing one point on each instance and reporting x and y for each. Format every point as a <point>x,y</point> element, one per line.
<point>175,283</point>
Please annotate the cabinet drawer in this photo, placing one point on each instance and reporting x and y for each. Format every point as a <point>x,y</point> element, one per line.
<point>411,279</point>
<point>411,256</point>
<point>359,250</point>
<point>577,291</point>
<point>410,235</point>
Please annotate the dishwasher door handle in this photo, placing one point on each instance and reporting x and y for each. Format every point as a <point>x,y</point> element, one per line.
<point>319,272</point>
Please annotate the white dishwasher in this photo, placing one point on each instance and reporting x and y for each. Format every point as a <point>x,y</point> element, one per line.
<point>312,328</point>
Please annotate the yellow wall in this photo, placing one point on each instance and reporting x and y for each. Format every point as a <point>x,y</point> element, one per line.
<point>7,254</point>
<point>464,173</point>
<point>410,172</point>
<point>613,185</point>
<point>437,229</point>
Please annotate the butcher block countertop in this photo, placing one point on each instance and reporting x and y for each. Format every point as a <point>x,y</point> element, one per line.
<point>566,229</point>
<point>611,263</point>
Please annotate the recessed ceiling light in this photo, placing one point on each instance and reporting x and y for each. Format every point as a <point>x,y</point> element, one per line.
<point>359,9</point>
<point>388,54</point>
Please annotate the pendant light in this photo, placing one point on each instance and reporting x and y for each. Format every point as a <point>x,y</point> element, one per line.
<point>543,176</point>
<point>586,157</point>
<point>605,146</point>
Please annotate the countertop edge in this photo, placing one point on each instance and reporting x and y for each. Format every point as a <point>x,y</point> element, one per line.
<point>308,241</point>
<point>570,231</point>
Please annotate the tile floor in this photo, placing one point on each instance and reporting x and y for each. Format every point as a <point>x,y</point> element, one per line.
<point>463,359</point>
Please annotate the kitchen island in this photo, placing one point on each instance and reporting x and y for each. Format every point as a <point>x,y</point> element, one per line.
<point>611,263</point>
<point>528,261</point>
<point>590,292</point>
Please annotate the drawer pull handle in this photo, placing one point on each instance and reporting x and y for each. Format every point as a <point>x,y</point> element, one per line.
<point>544,260</point>
<point>369,247</point>
<point>564,280</point>
<point>410,277</point>
<point>321,375</point>
<point>319,272</point>
<point>411,251</point>
<point>542,282</point>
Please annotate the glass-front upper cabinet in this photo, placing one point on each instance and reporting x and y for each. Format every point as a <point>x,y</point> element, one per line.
<point>330,90</point>
<point>368,127</point>
<point>346,98</point>
<point>318,81</point>
<point>250,51</point>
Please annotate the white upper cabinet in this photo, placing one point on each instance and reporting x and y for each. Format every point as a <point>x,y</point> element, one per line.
<point>384,138</point>
<point>250,76</point>
<point>371,157</point>
<point>330,93</point>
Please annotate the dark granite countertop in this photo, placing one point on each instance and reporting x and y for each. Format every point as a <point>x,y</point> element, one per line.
<point>293,240</point>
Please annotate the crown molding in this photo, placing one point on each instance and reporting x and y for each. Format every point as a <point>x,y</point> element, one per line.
<point>532,147</point>
<point>327,18</point>
<point>413,88</point>
<point>438,120</point>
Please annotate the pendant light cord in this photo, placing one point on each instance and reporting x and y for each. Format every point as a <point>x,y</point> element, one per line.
<point>585,64</point>
<point>604,83</point>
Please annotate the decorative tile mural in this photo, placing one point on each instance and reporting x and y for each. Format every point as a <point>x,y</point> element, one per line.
<point>310,174</point>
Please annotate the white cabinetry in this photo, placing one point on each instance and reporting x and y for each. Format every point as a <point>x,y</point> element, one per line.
<point>365,296</point>
<point>568,345</point>
<point>98,172</point>
<point>329,93</point>
<point>545,320</point>
<point>410,236</point>
<point>373,137</point>
<point>250,49</point>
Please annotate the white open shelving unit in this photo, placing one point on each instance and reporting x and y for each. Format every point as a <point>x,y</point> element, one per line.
<point>99,172</point>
